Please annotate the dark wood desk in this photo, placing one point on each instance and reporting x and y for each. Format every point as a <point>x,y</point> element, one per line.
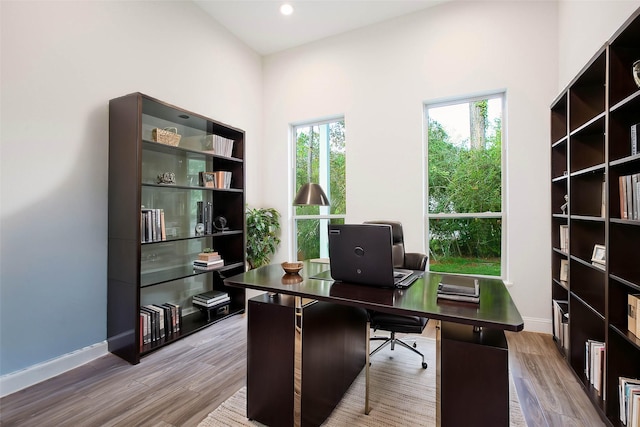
<point>457,342</point>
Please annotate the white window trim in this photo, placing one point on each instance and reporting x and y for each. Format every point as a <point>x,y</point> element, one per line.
<point>504,264</point>
<point>324,179</point>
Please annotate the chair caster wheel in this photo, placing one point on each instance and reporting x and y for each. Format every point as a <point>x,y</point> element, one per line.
<point>424,365</point>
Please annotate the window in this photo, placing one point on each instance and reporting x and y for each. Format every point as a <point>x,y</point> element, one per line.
<point>465,221</point>
<point>318,157</point>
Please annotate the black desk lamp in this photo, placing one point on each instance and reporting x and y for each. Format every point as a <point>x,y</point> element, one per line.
<point>311,194</point>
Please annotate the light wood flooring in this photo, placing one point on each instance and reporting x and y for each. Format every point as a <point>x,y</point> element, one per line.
<point>181,383</point>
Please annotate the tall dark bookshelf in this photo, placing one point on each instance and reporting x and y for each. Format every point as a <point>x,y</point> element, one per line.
<point>142,272</point>
<point>590,149</point>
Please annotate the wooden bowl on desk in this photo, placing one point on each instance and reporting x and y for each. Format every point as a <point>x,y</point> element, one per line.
<point>292,267</point>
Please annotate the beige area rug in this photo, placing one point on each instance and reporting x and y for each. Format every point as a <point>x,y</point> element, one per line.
<point>401,394</point>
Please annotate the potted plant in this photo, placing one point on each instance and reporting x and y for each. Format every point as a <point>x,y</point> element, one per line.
<point>263,229</point>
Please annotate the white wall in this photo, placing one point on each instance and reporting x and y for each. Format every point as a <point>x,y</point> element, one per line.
<point>379,77</point>
<point>583,28</point>
<point>61,63</point>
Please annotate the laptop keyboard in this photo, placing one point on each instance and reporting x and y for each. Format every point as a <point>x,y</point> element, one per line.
<point>408,280</point>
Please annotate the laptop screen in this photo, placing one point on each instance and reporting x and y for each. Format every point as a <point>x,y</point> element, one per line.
<point>361,253</point>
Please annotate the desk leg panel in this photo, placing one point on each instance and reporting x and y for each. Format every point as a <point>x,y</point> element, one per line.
<point>334,352</point>
<point>270,353</point>
<point>475,377</point>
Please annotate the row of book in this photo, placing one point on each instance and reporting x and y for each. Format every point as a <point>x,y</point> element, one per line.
<point>216,179</point>
<point>158,321</point>
<point>629,196</point>
<point>208,261</point>
<point>152,228</point>
<point>210,299</point>
<point>629,398</point>
<point>633,314</point>
<point>594,359</point>
<point>214,144</point>
<point>561,323</point>
<point>459,288</point>
<point>220,145</point>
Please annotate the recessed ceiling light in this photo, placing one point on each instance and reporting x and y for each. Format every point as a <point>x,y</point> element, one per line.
<point>286,9</point>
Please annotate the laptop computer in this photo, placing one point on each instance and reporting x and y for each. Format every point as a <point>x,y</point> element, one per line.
<point>362,254</point>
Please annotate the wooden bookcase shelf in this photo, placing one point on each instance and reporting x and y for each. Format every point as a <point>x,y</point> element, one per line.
<point>590,149</point>
<point>143,272</point>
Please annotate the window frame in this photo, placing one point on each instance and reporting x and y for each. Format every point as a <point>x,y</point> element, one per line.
<point>502,215</point>
<point>325,215</point>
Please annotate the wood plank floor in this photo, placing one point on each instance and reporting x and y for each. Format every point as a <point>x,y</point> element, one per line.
<point>181,383</point>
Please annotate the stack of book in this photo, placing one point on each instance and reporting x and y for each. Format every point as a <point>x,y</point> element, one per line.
<point>629,398</point>
<point>159,321</point>
<point>211,299</point>
<point>208,261</point>
<point>459,288</point>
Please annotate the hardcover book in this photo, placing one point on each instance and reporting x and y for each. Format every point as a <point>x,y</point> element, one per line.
<point>459,288</point>
<point>459,285</point>
<point>564,238</point>
<point>211,305</point>
<point>632,313</point>
<point>211,296</point>
<point>627,388</point>
<point>634,139</point>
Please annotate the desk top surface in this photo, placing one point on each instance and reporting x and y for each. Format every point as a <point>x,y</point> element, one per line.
<point>495,310</point>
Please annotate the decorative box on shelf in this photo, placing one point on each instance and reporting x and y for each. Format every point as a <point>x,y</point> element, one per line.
<point>212,304</point>
<point>168,136</point>
<point>215,311</point>
<point>209,255</point>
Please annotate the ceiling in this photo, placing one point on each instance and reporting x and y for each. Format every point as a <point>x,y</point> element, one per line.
<point>260,25</point>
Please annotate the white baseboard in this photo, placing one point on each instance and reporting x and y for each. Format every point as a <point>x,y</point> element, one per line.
<point>534,324</point>
<point>15,381</point>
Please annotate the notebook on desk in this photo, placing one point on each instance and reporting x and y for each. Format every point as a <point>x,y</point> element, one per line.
<point>362,254</point>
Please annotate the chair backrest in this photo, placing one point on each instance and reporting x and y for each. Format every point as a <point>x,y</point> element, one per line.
<point>398,241</point>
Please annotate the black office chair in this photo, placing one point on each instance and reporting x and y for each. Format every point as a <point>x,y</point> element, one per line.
<point>394,323</point>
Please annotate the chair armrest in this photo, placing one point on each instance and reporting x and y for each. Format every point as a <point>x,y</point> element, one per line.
<point>415,261</point>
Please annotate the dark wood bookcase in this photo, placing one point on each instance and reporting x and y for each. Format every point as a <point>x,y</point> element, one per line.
<point>158,272</point>
<point>590,149</point>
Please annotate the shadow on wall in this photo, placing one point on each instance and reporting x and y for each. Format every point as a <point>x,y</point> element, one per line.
<point>53,297</point>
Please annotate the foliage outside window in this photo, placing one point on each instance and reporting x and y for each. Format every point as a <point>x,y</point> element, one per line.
<point>464,200</point>
<point>319,157</point>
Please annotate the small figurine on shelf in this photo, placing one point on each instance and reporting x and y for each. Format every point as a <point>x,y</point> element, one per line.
<point>563,208</point>
<point>168,178</point>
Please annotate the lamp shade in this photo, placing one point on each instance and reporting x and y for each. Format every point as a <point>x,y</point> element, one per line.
<point>311,194</point>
